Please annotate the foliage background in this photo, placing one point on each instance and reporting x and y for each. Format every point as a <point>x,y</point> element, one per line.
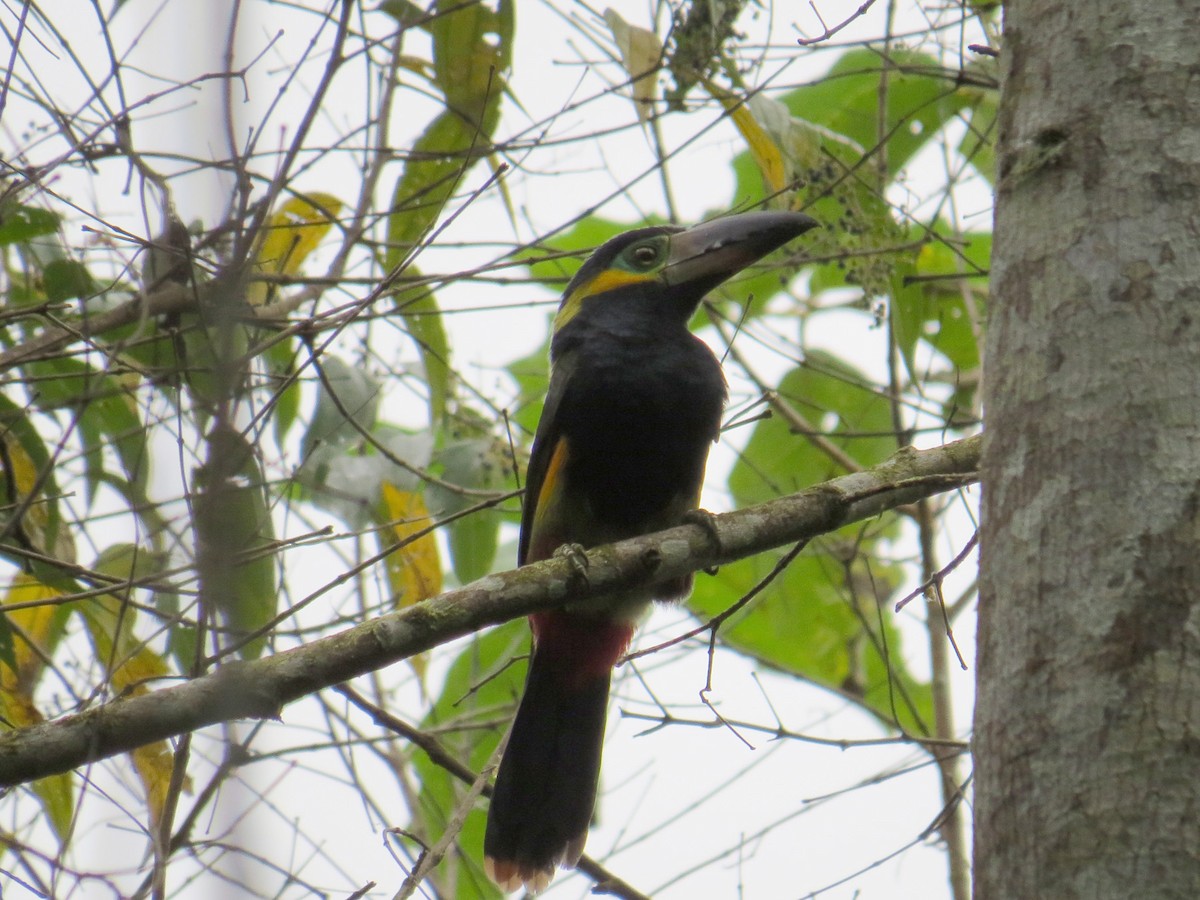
<point>306,401</point>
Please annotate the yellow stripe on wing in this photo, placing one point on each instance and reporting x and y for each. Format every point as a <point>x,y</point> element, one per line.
<point>548,492</point>
<point>548,512</point>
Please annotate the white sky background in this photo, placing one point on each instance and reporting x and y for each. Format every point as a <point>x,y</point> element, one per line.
<point>649,780</point>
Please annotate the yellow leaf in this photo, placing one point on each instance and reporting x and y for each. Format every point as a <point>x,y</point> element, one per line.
<point>56,792</point>
<point>110,618</point>
<point>134,675</point>
<point>34,625</point>
<point>289,236</point>
<point>134,666</point>
<point>33,638</point>
<point>24,472</point>
<point>414,571</point>
<point>18,710</point>
<point>422,67</point>
<point>763,148</point>
<point>641,55</point>
<point>154,762</point>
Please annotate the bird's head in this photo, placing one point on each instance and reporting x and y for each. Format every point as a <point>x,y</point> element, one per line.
<point>672,268</point>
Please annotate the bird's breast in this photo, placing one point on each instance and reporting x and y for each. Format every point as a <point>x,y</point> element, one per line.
<point>639,420</point>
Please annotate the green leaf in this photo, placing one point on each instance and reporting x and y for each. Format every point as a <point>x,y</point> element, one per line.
<point>255,598</point>
<point>132,666</point>
<point>929,300</point>
<point>472,53</point>
<point>440,156</point>
<point>109,617</point>
<point>233,531</point>
<point>7,656</point>
<point>107,416</point>
<point>828,133</point>
<point>532,375</point>
<point>835,398</point>
<point>405,12</point>
<point>473,463</point>
<point>279,360</point>
<point>921,98</point>
<point>473,542</point>
<point>25,464</point>
<point>908,311</point>
<point>57,793</point>
<point>422,318</point>
<point>348,395</point>
<point>978,145</point>
<point>472,50</point>
<point>182,643</point>
<point>20,223</point>
<point>479,688</point>
<point>810,624</point>
<point>824,619</point>
<point>62,383</point>
<point>214,356</point>
<point>156,348</point>
<point>66,278</point>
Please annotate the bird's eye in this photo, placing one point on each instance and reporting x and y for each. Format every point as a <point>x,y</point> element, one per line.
<point>646,255</point>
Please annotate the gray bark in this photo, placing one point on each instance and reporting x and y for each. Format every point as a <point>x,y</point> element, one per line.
<point>1087,735</point>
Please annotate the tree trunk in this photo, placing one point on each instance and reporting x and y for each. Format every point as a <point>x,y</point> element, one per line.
<point>1087,734</point>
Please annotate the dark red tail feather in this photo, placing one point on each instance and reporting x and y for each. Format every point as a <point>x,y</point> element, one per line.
<point>546,788</point>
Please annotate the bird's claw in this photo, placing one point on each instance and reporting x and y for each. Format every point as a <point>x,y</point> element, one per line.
<point>707,521</point>
<point>576,555</point>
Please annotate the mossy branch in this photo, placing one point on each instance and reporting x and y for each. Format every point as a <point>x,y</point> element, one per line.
<point>261,688</point>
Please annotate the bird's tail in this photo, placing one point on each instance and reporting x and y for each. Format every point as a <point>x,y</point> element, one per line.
<point>545,789</point>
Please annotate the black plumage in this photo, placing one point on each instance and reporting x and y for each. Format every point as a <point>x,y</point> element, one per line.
<point>634,404</point>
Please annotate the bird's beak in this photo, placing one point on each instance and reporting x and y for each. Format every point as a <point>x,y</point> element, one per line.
<point>711,252</point>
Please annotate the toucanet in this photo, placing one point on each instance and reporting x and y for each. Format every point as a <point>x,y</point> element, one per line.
<point>634,404</point>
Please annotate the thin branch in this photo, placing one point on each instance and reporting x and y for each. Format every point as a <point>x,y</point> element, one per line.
<point>831,31</point>
<point>261,688</point>
<point>606,881</point>
<point>170,298</point>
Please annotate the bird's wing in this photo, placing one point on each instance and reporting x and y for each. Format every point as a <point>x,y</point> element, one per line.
<point>543,457</point>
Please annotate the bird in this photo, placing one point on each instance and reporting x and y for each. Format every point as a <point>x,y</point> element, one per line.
<point>633,406</point>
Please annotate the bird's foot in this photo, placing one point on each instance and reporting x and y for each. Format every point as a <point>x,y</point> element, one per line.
<point>576,555</point>
<point>707,521</point>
